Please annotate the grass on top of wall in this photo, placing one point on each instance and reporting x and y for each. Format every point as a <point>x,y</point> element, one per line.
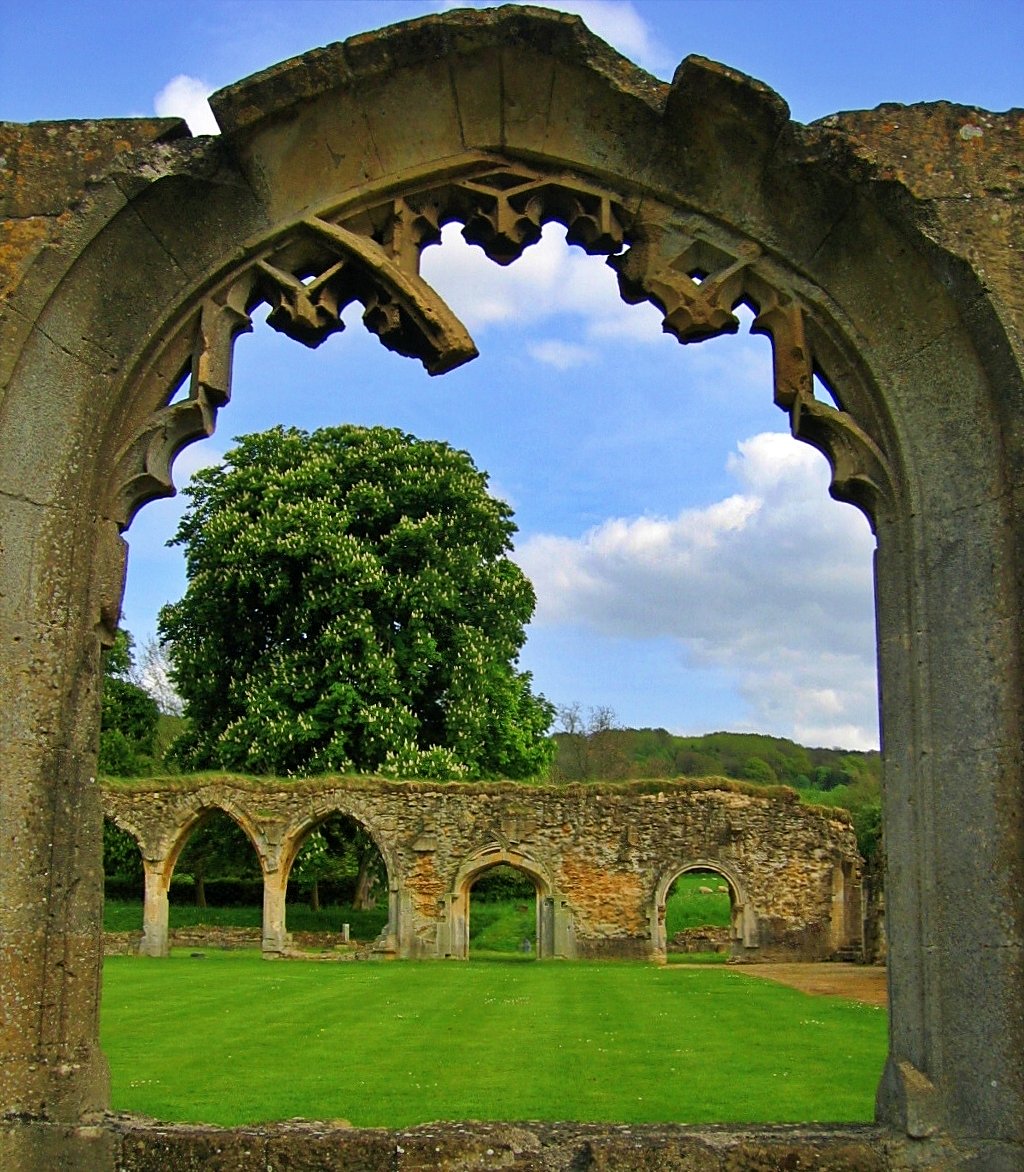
<point>228,1038</point>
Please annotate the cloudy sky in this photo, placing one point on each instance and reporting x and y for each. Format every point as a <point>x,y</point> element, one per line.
<point>691,571</point>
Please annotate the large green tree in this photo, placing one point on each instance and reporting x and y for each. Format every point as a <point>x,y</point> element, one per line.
<point>129,715</point>
<point>351,606</point>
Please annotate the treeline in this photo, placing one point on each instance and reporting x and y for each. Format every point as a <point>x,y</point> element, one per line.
<point>592,748</point>
<point>616,754</point>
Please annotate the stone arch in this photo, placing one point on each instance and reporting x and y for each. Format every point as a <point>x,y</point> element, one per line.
<point>177,838</point>
<point>744,914</point>
<point>160,859</point>
<point>552,919</point>
<point>851,274</point>
<point>294,835</point>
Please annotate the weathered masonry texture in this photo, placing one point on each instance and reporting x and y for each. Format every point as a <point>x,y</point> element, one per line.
<point>602,859</point>
<point>880,250</point>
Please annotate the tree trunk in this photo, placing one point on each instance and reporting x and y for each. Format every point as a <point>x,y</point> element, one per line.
<point>364,899</point>
<point>200,887</point>
<point>314,896</point>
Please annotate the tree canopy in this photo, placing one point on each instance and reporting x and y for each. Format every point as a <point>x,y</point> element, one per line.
<point>129,716</point>
<point>351,606</point>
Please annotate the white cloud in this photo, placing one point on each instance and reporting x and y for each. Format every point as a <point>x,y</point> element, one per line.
<point>560,355</point>
<point>772,584</point>
<point>549,279</point>
<point>186,97</point>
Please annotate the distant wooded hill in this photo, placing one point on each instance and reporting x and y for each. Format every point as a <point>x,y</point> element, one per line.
<point>610,754</point>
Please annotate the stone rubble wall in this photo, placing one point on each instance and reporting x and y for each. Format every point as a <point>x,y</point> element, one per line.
<point>604,855</point>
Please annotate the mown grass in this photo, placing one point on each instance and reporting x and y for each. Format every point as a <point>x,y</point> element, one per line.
<point>502,926</point>
<point>231,1039</point>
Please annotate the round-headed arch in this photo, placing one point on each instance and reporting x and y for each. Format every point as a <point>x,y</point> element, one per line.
<point>743,915</point>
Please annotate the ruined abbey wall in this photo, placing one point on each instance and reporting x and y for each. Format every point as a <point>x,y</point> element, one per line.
<point>602,858</point>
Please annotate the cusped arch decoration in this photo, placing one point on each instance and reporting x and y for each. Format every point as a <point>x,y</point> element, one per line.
<point>368,250</point>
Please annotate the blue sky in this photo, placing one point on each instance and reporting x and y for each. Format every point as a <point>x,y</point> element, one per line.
<point>690,569</point>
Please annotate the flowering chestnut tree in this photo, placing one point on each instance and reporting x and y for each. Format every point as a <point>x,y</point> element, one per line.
<point>351,607</point>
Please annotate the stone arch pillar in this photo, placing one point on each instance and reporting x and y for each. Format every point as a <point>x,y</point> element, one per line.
<point>155,910</point>
<point>275,937</point>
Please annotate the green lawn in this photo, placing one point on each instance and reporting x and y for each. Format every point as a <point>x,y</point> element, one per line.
<point>229,1038</point>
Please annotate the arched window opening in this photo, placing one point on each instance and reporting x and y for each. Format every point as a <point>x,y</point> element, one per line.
<point>692,573</point>
<point>338,886</point>
<point>700,913</point>
<point>504,910</point>
<point>217,881</point>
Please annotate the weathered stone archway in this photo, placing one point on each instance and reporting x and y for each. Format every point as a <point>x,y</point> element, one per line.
<point>553,934</point>
<point>138,256</point>
<point>744,917</point>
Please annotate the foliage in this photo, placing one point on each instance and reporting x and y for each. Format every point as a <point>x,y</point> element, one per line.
<point>867,822</point>
<point>129,716</point>
<point>217,848</point>
<point>340,850</point>
<point>504,883</point>
<point>587,745</point>
<point>592,748</point>
<point>122,859</point>
<point>351,606</point>
<point>622,1042</point>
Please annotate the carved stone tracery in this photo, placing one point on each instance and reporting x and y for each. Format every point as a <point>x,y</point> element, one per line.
<point>316,267</point>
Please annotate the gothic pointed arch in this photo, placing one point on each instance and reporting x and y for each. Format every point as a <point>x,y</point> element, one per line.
<point>853,241</point>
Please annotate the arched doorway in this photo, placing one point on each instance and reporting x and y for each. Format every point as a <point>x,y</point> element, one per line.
<point>551,923</point>
<point>722,199</point>
<point>503,913</point>
<point>337,882</point>
<point>702,908</point>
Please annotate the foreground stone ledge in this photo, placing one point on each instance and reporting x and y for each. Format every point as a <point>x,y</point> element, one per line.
<point>140,1145</point>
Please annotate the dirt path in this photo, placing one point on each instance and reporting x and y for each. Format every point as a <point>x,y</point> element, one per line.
<point>859,982</point>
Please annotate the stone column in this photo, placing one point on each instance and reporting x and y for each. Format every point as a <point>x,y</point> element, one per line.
<point>275,933</point>
<point>51,879</point>
<point>155,936</point>
<point>952,798</point>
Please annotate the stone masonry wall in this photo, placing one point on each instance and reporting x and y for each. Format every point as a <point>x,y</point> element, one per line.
<point>602,857</point>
